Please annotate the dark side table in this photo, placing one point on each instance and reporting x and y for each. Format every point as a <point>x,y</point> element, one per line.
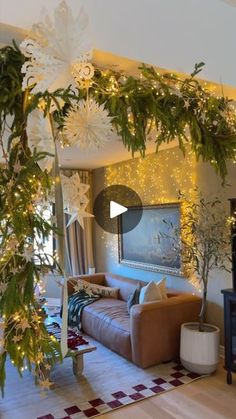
<point>230,331</point>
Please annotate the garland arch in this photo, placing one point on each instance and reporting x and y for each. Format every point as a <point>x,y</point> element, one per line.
<point>60,96</point>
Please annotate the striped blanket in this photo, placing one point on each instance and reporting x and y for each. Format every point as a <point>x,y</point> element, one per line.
<point>76,304</point>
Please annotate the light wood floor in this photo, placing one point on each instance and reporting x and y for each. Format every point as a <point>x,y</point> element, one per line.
<point>208,398</point>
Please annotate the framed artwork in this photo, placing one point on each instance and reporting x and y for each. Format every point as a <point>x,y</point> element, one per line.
<point>142,247</point>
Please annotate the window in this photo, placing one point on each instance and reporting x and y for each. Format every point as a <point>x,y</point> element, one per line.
<point>45,248</point>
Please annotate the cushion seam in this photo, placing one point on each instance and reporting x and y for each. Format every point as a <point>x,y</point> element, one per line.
<point>109,323</point>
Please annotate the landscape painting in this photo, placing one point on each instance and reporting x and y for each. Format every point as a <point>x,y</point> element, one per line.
<point>147,245</point>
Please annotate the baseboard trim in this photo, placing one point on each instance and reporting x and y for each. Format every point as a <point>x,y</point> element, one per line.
<point>222,351</point>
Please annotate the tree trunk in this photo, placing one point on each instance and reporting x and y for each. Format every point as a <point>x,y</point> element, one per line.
<point>203,310</point>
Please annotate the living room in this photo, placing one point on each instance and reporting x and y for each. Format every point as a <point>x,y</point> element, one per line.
<point>118,205</point>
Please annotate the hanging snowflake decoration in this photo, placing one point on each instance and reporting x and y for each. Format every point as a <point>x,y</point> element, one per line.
<point>83,73</point>
<point>60,52</point>
<point>3,287</point>
<point>151,132</point>
<point>88,125</point>
<point>40,137</point>
<point>75,198</point>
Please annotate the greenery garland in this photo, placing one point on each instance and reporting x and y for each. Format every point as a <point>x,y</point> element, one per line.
<point>177,108</point>
<point>24,337</point>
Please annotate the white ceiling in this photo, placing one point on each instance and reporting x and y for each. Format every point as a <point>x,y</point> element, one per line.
<point>173,34</point>
<point>113,152</point>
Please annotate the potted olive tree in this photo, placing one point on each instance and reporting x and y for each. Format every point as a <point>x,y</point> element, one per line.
<point>203,240</point>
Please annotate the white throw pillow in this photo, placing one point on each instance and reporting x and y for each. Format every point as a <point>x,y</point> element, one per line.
<point>153,291</point>
<point>149,293</point>
<point>161,285</point>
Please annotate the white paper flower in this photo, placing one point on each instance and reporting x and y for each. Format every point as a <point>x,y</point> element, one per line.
<point>88,125</point>
<point>40,137</point>
<point>56,51</point>
<point>75,198</point>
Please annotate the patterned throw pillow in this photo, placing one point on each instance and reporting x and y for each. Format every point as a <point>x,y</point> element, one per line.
<point>100,290</point>
<point>134,297</point>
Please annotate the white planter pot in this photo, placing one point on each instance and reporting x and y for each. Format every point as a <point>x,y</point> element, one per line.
<point>199,351</point>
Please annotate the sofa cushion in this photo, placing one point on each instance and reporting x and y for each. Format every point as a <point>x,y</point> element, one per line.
<point>108,321</point>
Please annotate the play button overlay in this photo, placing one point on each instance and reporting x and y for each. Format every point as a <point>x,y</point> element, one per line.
<point>118,209</point>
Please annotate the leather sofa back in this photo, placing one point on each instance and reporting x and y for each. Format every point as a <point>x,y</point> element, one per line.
<point>125,285</point>
<point>128,285</point>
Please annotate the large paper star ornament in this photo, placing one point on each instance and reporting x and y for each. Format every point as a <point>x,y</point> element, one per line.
<point>75,199</point>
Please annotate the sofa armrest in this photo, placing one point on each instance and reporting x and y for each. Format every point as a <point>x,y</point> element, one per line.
<point>155,328</point>
<point>98,279</point>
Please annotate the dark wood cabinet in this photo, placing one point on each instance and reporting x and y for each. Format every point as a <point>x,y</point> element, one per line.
<point>230,332</point>
<point>233,239</point>
<point>230,306</point>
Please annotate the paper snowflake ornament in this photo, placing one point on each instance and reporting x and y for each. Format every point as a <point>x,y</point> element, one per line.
<point>83,73</point>
<point>78,215</point>
<point>88,125</point>
<point>17,338</point>
<point>17,167</point>
<point>57,50</point>
<point>151,132</point>
<point>40,137</point>
<point>12,244</point>
<point>75,198</point>
<point>23,324</point>
<point>3,287</point>
<point>45,384</point>
<point>28,255</point>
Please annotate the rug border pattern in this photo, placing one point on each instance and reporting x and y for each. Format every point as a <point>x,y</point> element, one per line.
<point>141,391</point>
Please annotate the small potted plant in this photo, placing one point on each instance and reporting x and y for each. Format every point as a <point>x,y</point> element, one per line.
<point>203,240</point>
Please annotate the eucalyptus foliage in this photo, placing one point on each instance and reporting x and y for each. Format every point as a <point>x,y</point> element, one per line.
<point>202,240</point>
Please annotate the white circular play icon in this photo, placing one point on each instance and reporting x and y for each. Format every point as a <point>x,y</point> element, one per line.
<point>116,209</point>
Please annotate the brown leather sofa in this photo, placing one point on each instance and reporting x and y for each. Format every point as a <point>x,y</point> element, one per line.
<point>150,334</point>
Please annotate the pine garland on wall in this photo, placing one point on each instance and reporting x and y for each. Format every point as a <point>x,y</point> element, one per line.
<point>32,89</point>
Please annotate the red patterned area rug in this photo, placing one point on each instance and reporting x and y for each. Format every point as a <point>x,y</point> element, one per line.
<point>177,376</point>
<point>108,382</point>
